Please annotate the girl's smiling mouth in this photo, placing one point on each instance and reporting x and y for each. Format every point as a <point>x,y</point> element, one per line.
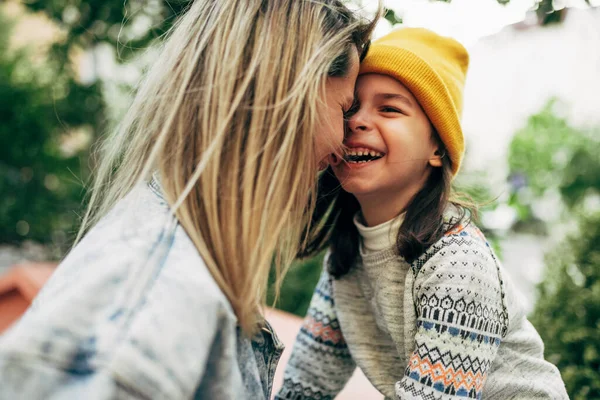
<point>362,155</point>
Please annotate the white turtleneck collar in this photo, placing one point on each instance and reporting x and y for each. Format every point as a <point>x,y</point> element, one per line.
<point>378,237</point>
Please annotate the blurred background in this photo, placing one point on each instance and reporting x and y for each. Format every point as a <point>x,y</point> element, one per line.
<point>68,69</point>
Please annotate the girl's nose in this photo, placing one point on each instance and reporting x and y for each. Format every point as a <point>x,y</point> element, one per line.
<point>358,122</point>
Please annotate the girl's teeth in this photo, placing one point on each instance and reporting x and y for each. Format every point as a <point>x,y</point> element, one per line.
<point>372,153</point>
<point>363,152</point>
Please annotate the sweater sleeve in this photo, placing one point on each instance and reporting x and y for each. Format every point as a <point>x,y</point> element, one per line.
<point>320,364</point>
<point>461,319</point>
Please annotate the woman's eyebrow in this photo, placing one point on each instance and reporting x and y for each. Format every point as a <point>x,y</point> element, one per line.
<point>394,96</point>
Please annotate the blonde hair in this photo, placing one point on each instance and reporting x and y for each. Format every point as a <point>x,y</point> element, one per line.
<point>227,117</point>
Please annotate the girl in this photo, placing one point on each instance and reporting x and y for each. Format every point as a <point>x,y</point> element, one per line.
<point>411,293</point>
<point>208,177</point>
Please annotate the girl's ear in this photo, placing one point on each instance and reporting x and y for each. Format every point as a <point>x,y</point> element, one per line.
<point>436,159</point>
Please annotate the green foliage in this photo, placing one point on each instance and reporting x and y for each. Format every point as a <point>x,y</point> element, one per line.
<point>543,148</point>
<point>395,19</point>
<point>298,286</point>
<point>567,313</point>
<point>130,25</point>
<point>581,176</point>
<point>40,180</point>
<point>392,17</point>
<point>548,14</point>
<point>550,155</point>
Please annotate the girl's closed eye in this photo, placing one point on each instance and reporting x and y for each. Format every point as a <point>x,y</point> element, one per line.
<point>388,109</point>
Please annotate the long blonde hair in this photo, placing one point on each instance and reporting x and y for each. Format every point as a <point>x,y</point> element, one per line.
<point>227,117</point>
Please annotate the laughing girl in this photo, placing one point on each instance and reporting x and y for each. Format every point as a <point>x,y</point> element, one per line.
<point>411,293</point>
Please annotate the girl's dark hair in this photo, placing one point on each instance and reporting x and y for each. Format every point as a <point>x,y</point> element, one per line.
<point>339,16</point>
<point>332,221</point>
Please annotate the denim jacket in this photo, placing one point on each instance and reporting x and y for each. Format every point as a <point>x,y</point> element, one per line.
<point>133,313</point>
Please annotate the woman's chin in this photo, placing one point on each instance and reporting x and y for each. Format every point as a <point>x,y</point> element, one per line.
<point>323,164</point>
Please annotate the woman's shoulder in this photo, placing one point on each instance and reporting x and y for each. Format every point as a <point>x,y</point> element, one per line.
<point>142,297</point>
<point>137,243</point>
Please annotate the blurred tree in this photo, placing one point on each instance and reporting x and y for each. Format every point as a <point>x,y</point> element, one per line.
<point>298,286</point>
<point>549,14</point>
<point>567,313</point>
<point>392,17</point>
<point>128,25</point>
<point>549,156</point>
<point>49,116</point>
<point>44,115</point>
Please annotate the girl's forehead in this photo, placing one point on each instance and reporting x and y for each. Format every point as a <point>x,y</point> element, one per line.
<point>369,85</point>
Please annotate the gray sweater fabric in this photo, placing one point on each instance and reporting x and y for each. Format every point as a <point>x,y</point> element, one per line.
<point>448,326</point>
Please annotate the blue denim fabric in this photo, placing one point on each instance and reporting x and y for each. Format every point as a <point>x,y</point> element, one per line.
<point>133,313</point>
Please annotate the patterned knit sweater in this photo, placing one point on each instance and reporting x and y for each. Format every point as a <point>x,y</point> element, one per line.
<point>448,326</point>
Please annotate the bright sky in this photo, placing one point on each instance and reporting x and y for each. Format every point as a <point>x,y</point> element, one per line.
<point>464,20</point>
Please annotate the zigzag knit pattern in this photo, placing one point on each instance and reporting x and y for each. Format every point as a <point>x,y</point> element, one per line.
<point>296,391</point>
<point>320,338</point>
<point>448,372</point>
<point>459,325</point>
<point>421,393</point>
<point>321,326</point>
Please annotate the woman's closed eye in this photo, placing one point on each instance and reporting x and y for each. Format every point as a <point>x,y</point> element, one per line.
<point>351,110</point>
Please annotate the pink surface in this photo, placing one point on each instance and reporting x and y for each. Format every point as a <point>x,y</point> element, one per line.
<point>27,278</point>
<point>18,287</point>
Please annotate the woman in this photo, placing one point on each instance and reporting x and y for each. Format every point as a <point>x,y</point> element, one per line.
<point>204,185</point>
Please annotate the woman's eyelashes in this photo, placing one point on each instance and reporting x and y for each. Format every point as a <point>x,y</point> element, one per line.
<point>350,111</point>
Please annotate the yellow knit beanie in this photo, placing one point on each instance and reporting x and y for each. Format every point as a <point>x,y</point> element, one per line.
<point>433,68</point>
